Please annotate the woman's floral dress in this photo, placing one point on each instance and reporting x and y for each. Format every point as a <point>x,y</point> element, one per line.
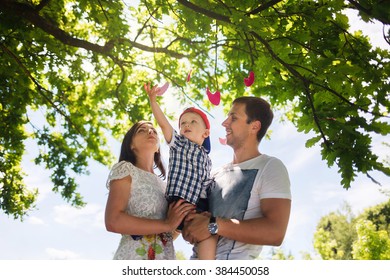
<point>147,200</point>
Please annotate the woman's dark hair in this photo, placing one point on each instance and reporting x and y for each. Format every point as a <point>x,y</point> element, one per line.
<point>127,154</point>
<point>257,109</point>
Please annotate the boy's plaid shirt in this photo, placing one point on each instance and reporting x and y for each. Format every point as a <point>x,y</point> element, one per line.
<point>189,169</point>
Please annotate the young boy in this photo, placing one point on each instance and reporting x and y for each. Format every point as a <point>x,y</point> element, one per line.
<point>189,163</point>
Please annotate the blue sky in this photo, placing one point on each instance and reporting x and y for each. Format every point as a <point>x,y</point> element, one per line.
<point>55,230</point>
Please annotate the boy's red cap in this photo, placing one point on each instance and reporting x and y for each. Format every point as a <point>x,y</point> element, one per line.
<point>196,111</point>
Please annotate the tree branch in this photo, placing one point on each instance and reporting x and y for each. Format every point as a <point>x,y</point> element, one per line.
<point>28,13</point>
<point>316,119</point>
<point>41,5</point>
<point>204,11</point>
<point>41,89</point>
<point>295,73</point>
<point>263,7</point>
<point>369,12</point>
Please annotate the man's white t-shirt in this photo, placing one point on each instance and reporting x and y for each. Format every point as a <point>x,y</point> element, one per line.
<point>237,194</point>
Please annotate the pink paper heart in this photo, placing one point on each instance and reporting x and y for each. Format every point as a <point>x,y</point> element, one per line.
<point>163,89</point>
<point>223,141</point>
<point>251,78</point>
<point>214,98</point>
<point>189,76</point>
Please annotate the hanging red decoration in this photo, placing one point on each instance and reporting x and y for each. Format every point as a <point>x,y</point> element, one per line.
<point>251,78</point>
<point>214,98</point>
<point>189,76</point>
<point>223,141</point>
<point>161,90</point>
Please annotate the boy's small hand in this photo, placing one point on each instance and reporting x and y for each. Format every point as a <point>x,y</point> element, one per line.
<point>155,90</point>
<point>150,91</point>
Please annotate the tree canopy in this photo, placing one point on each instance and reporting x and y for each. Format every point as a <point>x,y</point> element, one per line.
<point>82,64</point>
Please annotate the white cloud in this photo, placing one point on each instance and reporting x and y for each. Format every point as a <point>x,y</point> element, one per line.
<point>301,159</point>
<point>35,221</point>
<point>300,217</point>
<point>363,195</point>
<point>330,197</point>
<point>38,178</point>
<point>90,215</point>
<point>57,254</point>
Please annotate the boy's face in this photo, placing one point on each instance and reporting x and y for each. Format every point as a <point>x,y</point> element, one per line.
<point>193,128</point>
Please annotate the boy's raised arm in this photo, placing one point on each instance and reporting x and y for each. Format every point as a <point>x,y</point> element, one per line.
<point>162,120</point>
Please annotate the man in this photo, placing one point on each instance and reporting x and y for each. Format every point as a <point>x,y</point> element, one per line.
<point>251,201</point>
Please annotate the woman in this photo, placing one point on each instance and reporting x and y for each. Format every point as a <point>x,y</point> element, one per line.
<point>136,205</point>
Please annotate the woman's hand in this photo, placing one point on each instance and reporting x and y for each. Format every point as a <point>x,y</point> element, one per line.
<point>177,211</point>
